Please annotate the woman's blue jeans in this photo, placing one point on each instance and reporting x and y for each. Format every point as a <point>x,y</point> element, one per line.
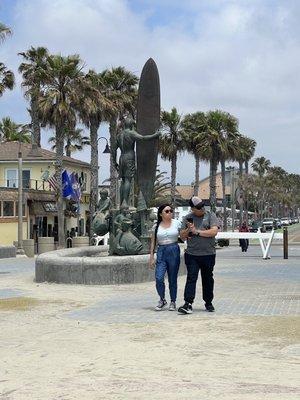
<point>168,260</point>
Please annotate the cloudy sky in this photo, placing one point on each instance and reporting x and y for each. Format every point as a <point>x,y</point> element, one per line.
<point>241,56</point>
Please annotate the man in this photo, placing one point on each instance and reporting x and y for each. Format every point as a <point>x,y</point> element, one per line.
<point>199,228</point>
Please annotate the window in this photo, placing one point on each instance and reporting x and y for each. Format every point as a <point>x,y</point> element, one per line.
<point>26,178</point>
<point>8,208</point>
<point>11,178</point>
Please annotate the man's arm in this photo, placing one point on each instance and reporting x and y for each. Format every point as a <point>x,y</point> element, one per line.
<point>184,233</point>
<point>211,232</point>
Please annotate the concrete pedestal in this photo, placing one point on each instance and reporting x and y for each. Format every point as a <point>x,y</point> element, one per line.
<point>45,244</point>
<point>80,241</point>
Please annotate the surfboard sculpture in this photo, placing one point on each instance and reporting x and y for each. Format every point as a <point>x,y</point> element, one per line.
<point>148,121</point>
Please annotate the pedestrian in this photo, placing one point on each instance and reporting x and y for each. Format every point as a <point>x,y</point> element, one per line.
<point>199,228</point>
<point>244,243</point>
<point>165,235</point>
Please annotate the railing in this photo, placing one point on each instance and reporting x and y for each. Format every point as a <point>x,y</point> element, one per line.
<point>34,184</point>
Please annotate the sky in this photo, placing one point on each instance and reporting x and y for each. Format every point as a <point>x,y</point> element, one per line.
<point>240,56</point>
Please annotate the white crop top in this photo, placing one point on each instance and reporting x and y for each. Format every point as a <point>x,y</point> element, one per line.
<point>168,235</point>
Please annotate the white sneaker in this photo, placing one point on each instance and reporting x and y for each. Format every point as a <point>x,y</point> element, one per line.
<point>162,304</point>
<point>172,306</point>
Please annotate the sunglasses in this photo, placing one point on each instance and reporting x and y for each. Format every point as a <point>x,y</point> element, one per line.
<point>168,211</point>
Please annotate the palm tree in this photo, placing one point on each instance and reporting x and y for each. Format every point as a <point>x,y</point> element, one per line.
<point>74,141</point>
<point>194,126</point>
<point>221,127</point>
<point>95,108</point>
<point>33,72</point>
<point>170,143</point>
<point>62,82</point>
<point>261,165</point>
<point>11,131</point>
<point>7,79</point>
<point>244,152</point>
<point>122,86</point>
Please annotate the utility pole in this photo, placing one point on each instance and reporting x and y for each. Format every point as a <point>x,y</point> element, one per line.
<point>20,250</point>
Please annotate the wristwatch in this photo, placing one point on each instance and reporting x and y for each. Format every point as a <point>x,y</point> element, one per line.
<point>198,234</point>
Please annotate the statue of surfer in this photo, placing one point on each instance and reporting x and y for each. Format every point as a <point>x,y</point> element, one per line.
<point>126,168</point>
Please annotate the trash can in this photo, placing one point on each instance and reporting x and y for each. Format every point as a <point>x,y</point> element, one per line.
<point>45,244</point>
<point>81,241</point>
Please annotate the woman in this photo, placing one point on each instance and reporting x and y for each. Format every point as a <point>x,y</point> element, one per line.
<point>244,243</point>
<point>165,234</point>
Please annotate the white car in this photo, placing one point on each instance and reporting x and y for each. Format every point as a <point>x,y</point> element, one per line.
<point>285,221</point>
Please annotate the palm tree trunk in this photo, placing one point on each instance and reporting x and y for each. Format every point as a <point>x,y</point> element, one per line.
<point>173,179</point>
<point>35,122</point>
<point>241,203</point>
<point>212,183</point>
<point>247,167</point>
<point>59,170</point>
<point>113,171</point>
<point>247,192</point>
<point>94,125</point>
<point>196,185</point>
<point>223,172</point>
<point>68,148</point>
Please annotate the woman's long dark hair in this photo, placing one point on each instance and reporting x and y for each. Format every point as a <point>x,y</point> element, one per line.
<point>159,219</point>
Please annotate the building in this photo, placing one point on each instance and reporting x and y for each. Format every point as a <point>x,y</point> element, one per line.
<point>186,191</point>
<point>39,196</point>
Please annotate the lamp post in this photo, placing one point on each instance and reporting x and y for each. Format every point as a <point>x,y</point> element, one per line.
<point>20,250</point>
<point>94,184</point>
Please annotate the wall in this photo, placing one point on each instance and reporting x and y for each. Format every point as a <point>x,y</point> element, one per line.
<point>9,231</point>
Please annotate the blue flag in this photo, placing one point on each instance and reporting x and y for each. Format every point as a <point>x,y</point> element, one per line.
<point>67,185</point>
<point>76,196</point>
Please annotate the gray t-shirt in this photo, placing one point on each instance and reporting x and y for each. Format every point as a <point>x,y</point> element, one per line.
<point>199,245</point>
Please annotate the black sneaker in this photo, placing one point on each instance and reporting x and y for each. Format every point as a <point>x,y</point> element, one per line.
<point>209,307</point>
<point>185,309</point>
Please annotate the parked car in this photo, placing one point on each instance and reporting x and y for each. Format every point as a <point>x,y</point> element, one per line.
<point>269,224</point>
<point>255,225</point>
<point>285,221</point>
<point>278,222</point>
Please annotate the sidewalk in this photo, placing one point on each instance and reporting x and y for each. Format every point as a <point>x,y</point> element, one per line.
<point>106,342</point>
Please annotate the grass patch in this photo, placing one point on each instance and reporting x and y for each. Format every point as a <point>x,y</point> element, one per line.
<point>18,304</point>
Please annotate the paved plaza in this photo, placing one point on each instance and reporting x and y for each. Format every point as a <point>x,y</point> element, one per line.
<point>106,342</point>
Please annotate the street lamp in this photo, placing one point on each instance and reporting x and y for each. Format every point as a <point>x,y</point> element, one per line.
<point>107,148</point>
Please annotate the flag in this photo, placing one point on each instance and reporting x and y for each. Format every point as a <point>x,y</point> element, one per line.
<point>53,182</point>
<point>76,196</point>
<point>66,185</point>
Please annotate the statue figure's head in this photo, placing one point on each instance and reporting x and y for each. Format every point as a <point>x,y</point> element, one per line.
<point>103,194</point>
<point>128,122</point>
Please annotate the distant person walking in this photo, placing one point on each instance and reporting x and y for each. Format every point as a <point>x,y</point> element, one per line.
<point>199,228</point>
<point>244,243</point>
<point>165,235</point>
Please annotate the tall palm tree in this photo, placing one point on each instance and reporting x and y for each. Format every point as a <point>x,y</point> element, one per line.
<point>194,127</point>
<point>33,72</point>
<point>96,107</point>
<point>220,127</point>
<point>244,152</point>
<point>11,131</point>
<point>170,143</point>
<point>123,93</point>
<point>74,141</point>
<point>62,82</point>
<point>7,78</point>
<point>261,165</point>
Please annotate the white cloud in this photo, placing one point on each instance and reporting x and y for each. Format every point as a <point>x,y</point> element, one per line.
<point>240,56</point>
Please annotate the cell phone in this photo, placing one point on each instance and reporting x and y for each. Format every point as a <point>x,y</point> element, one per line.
<point>190,220</point>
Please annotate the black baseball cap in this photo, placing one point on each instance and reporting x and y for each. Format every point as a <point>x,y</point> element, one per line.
<point>196,202</point>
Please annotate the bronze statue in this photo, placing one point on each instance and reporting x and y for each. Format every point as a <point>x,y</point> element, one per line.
<point>126,168</point>
<point>101,217</point>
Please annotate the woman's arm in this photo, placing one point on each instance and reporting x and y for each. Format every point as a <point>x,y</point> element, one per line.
<point>152,247</point>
